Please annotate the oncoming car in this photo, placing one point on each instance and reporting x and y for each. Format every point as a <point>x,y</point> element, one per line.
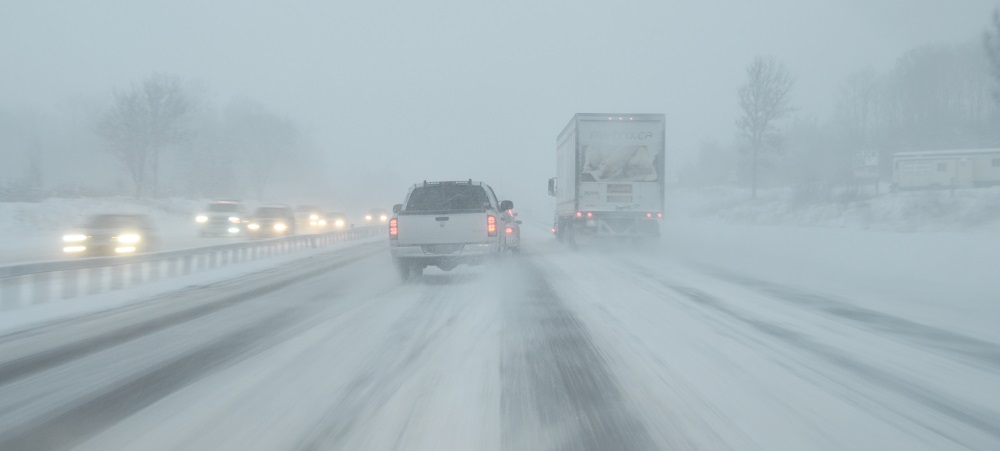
<point>377,216</point>
<point>221,218</point>
<point>111,234</point>
<point>272,221</point>
<point>337,220</point>
<point>310,219</point>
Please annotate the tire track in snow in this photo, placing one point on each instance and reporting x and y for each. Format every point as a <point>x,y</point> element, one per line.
<point>557,391</point>
<point>944,342</point>
<point>984,420</point>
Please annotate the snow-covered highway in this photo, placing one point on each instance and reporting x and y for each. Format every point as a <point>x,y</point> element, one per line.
<point>554,349</point>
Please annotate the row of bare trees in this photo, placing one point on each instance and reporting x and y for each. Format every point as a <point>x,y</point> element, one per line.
<point>232,153</point>
<point>935,97</point>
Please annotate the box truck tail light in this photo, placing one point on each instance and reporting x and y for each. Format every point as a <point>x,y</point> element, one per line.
<point>393,229</point>
<point>491,225</point>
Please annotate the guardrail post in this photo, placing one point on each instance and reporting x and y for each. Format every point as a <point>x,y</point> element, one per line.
<point>117,277</point>
<point>154,267</point>
<point>95,279</point>
<point>135,272</point>
<point>40,287</point>
<point>69,283</point>
<point>187,263</point>
<point>10,293</point>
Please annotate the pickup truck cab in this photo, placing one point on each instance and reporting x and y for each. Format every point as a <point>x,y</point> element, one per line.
<point>446,224</point>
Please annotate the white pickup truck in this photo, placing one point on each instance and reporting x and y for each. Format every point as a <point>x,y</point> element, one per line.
<point>446,224</point>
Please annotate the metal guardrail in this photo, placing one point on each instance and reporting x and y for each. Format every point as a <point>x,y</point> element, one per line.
<point>66,279</point>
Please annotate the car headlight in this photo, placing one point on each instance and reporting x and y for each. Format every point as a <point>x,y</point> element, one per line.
<point>253,226</point>
<point>313,217</point>
<point>383,218</point>
<point>368,217</point>
<point>322,222</point>
<point>280,227</point>
<point>128,238</point>
<point>339,223</point>
<point>234,220</point>
<point>201,219</point>
<point>74,238</point>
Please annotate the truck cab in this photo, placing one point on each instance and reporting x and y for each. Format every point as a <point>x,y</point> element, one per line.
<point>446,224</point>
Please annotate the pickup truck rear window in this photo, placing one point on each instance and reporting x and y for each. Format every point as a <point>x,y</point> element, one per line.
<point>447,198</point>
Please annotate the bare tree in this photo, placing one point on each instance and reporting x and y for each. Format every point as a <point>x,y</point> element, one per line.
<point>765,98</point>
<point>263,140</point>
<point>142,121</point>
<point>991,40</point>
<point>123,129</point>
<point>858,107</point>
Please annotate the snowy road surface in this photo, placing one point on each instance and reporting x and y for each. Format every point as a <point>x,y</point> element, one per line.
<point>553,350</point>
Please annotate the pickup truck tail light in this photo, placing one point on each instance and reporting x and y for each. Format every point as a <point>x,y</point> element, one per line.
<point>491,225</point>
<point>393,229</point>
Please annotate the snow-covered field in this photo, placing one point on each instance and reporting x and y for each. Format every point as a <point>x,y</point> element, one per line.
<point>725,337</point>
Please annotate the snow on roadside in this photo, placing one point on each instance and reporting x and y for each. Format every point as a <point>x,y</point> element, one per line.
<point>910,211</point>
<point>55,310</point>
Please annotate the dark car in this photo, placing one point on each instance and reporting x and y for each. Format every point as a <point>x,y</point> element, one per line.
<point>111,234</point>
<point>272,221</point>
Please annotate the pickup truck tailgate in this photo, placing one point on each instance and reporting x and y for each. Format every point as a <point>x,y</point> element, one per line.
<point>442,228</point>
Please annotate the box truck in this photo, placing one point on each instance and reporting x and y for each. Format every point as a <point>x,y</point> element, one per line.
<point>609,180</point>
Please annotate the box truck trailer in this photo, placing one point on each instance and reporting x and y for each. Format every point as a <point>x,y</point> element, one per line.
<point>610,178</point>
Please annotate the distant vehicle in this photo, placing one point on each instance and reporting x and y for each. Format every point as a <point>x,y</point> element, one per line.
<point>272,221</point>
<point>377,216</point>
<point>610,177</point>
<point>222,218</point>
<point>512,232</point>
<point>446,224</point>
<point>337,220</point>
<point>111,234</point>
<point>310,219</point>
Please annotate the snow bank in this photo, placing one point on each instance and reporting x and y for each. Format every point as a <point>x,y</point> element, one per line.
<point>933,211</point>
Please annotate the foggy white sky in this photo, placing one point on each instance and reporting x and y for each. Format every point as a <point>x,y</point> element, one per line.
<point>457,89</point>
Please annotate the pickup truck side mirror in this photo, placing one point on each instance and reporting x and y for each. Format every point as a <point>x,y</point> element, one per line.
<point>506,205</point>
<point>552,186</point>
<point>397,208</point>
<point>518,222</point>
